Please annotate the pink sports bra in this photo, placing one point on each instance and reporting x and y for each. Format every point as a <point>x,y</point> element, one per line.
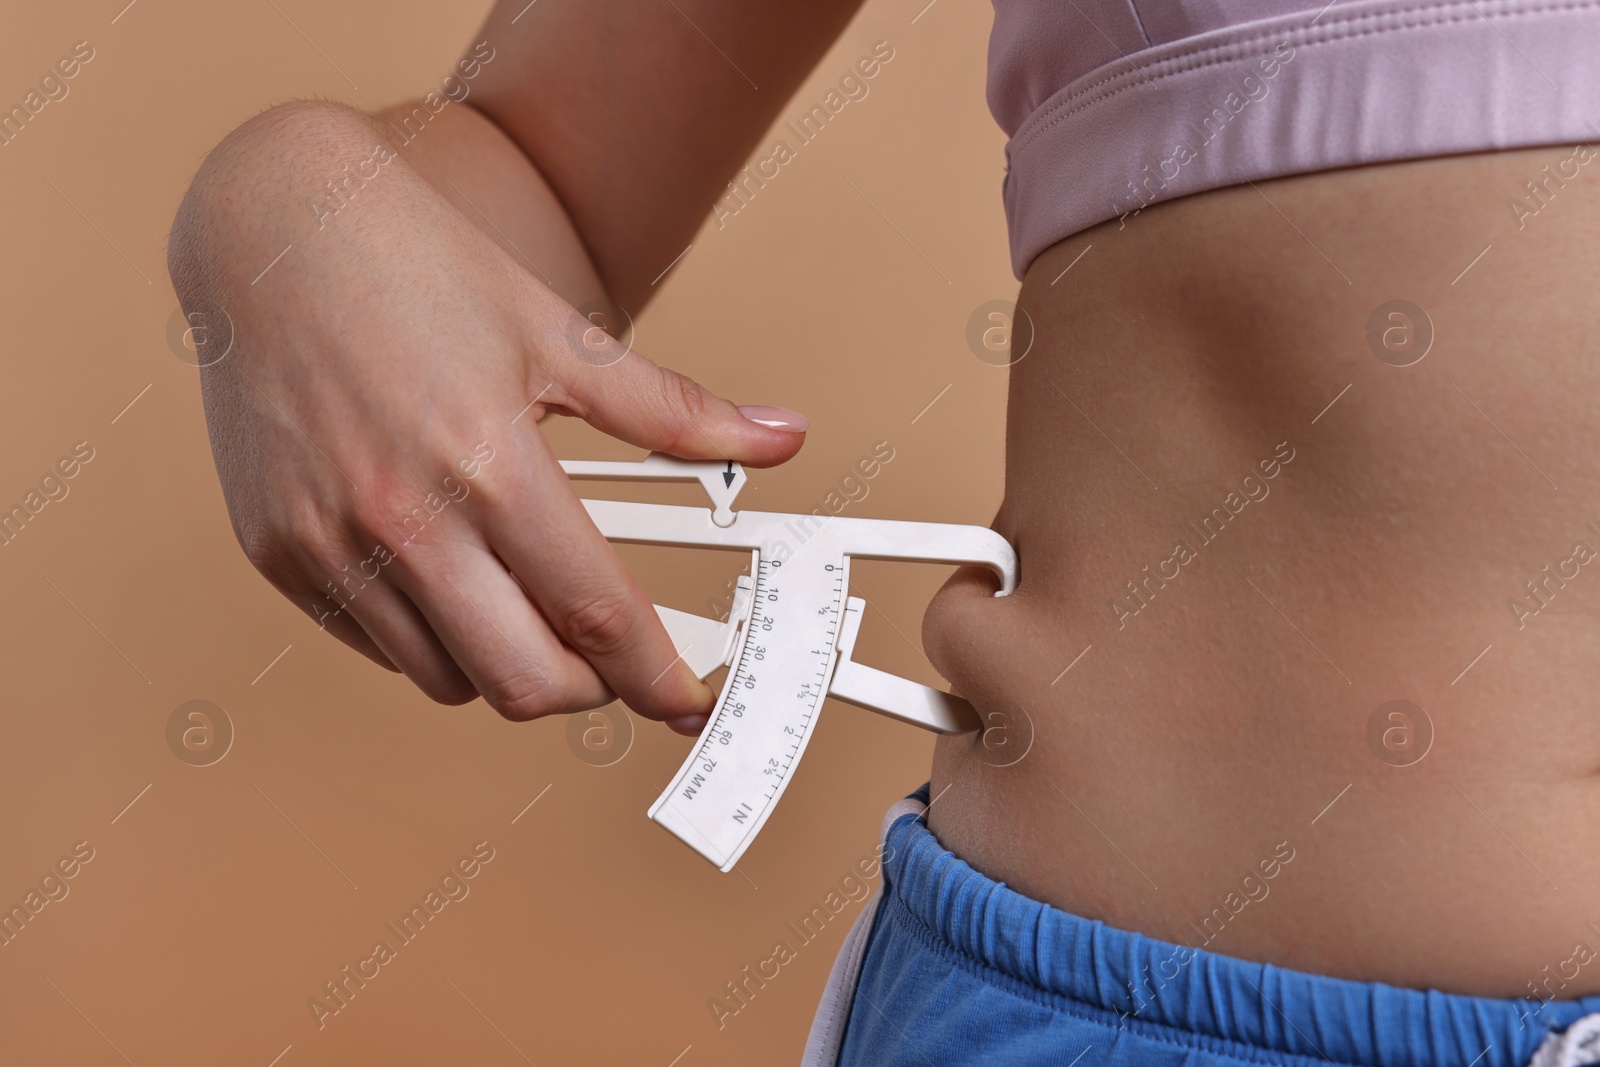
<point>1113,105</point>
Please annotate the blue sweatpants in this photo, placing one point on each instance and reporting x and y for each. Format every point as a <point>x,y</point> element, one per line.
<point>959,969</point>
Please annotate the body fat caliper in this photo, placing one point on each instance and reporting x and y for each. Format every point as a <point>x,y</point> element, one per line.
<point>787,640</point>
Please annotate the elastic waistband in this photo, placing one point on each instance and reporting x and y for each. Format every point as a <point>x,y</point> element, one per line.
<point>1083,966</point>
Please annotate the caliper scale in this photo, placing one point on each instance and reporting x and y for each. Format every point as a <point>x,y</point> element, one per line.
<point>787,640</point>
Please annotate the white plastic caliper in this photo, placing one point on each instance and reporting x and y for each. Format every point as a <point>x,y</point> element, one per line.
<point>788,638</point>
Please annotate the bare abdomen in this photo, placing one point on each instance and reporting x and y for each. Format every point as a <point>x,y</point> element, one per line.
<point>1305,482</point>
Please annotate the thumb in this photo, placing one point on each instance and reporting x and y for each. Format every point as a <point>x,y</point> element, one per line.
<point>627,396</point>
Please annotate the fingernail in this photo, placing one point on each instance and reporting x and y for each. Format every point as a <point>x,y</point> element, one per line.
<point>688,724</point>
<point>775,417</point>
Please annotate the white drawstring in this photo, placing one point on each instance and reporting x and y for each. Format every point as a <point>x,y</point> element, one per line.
<point>1576,1046</point>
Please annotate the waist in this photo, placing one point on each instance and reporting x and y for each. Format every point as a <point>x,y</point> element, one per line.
<point>1306,500</point>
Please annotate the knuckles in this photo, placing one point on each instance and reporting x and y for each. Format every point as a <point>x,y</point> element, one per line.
<point>283,547</point>
<point>599,625</point>
<point>685,403</point>
<point>268,551</point>
<point>390,511</point>
<point>397,511</point>
<point>527,694</point>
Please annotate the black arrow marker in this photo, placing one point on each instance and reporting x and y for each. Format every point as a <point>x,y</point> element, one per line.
<point>727,476</point>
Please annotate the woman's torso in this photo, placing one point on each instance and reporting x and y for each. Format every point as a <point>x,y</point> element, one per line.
<point>1248,522</point>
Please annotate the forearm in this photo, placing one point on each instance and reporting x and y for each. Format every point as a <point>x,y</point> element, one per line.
<point>480,170</point>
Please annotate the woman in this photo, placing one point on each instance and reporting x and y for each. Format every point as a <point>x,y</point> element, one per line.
<point>1303,639</point>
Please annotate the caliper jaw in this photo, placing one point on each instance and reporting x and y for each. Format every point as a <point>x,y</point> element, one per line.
<point>706,644</point>
<point>891,695</point>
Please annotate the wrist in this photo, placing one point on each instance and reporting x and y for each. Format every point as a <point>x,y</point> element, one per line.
<point>258,190</point>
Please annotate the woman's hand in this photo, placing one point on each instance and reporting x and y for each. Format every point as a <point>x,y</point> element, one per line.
<point>375,420</point>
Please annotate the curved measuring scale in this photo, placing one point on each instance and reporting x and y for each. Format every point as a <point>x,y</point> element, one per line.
<point>788,638</point>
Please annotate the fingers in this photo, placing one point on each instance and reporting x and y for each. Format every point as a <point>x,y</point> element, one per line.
<point>689,725</point>
<point>444,609</point>
<point>490,629</point>
<point>453,619</point>
<point>345,627</point>
<point>330,581</point>
<point>534,521</point>
<point>392,622</point>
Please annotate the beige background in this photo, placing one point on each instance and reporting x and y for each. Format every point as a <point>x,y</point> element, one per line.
<point>207,917</point>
